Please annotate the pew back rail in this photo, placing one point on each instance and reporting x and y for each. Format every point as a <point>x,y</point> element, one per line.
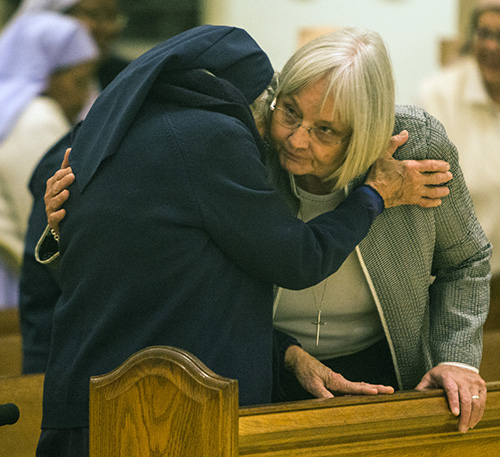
<point>406,424</point>
<point>163,401</point>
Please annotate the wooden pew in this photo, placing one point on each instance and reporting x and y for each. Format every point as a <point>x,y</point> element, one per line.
<point>10,343</point>
<point>20,439</point>
<point>409,424</point>
<point>163,401</point>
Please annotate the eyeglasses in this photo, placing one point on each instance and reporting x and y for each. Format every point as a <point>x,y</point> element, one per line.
<point>483,33</point>
<point>323,135</point>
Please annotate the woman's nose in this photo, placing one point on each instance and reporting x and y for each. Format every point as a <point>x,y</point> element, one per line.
<point>300,137</point>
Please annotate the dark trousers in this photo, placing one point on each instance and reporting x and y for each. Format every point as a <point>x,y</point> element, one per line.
<point>63,443</point>
<point>373,365</point>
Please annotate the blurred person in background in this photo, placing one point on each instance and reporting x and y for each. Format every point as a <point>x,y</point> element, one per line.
<point>47,62</point>
<point>103,19</point>
<point>39,286</point>
<point>465,97</point>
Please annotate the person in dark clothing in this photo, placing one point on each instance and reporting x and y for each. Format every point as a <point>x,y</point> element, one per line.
<point>39,288</point>
<point>39,283</point>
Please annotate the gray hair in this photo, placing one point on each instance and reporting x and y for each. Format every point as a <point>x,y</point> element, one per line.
<point>359,77</point>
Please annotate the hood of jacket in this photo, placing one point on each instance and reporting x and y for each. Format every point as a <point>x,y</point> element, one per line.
<point>179,69</point>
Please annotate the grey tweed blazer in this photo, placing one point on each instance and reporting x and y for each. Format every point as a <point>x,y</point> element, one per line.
<point>428,268</point>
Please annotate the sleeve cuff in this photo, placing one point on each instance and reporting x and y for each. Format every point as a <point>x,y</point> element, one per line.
<point>376,197</point>
<point>461,365</point>
<point>47,248</point>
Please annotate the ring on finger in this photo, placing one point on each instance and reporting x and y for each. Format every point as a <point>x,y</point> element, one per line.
<point>475,397</point>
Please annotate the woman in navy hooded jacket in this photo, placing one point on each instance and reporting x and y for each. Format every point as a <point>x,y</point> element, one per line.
<point>173,234</point>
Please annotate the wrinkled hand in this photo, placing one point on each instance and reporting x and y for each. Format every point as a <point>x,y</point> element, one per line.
<point>460,385</point>
<point>322,382</point>
<point>409,182</point>
<point>56,193</point>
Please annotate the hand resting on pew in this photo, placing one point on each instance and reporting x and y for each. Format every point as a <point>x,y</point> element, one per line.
<point>322,382</point>
<point>464,388</point>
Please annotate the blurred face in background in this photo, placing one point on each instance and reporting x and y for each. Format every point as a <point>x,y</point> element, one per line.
<point>486,47</point>
<point>70,88</point>
<point>102,18</point>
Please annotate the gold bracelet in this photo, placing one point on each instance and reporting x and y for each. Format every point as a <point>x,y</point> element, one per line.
<point>54,235</point>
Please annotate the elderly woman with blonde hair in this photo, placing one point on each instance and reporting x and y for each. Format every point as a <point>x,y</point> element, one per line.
<point>406,309</point>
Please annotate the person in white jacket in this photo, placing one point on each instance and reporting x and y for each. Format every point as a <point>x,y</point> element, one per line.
<point>47,61</point>
<point>465,97</point>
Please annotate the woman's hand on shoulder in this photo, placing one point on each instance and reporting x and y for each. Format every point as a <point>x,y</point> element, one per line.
<point>409,182</point>
<point>57,193</point>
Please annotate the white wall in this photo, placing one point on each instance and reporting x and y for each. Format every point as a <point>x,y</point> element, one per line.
<point>411,28</point>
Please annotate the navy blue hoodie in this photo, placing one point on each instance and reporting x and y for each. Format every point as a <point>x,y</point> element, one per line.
<point>173,235</point>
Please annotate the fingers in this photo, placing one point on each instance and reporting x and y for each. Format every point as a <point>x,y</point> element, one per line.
<point>61,180</point>
<point>435,179</point>
<point>459,403</point>
<point>472,402</point>
<point>468,407</point>
<point>361,388</point>
<point>431,166</point>
<point>465,390</point>
<point>429,178</point>
<point>424,202</point>
<point>55,218</point>
<point>339,385</point>
<point>65,162</point>
<point>397,141</point>
<point>319,390</point>
<point>431,197</point>
<point>478,407</point>
<point>55,214</point>
<point>428,172</point>
<point>409,182</point>
<point>56,202</point>
<point>56,194</point>
<point>454,401</point>
<point>321,381</point>
<point>309,371</point>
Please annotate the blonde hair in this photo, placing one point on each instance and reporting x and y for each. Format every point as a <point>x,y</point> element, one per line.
<point>359,77</point>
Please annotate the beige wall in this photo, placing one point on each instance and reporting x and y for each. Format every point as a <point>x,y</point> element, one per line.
<point>465,9</point>
<point>412,29</point>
